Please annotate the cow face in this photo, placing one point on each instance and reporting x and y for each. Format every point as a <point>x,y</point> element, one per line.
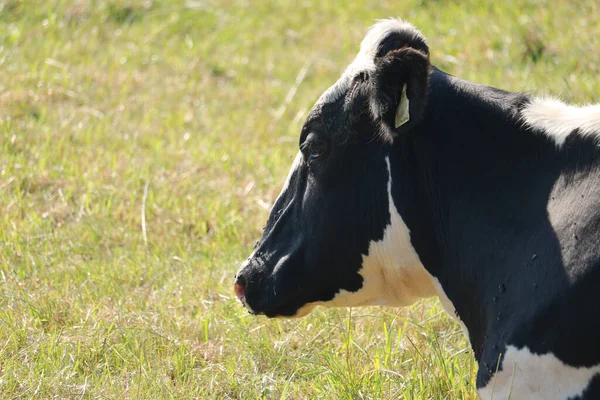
<point>334,236</point>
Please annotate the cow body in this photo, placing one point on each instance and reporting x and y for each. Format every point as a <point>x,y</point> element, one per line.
<point>412,183</point>
<point>515,224</point>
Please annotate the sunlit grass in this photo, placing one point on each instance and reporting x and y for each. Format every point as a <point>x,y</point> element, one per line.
<point>101,100</point>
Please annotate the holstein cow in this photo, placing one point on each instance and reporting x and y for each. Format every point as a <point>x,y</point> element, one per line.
<point>412,183</point>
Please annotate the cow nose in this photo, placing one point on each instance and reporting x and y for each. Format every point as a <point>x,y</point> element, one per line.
<point>240,286</point>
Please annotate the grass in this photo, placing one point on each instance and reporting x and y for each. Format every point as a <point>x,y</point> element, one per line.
<point>175,114</point>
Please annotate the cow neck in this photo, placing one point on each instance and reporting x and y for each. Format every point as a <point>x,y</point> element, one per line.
<point>474,191</point>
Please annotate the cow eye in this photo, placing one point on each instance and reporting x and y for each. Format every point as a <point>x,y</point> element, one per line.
<point>313,147</point>
<point>316,148</point>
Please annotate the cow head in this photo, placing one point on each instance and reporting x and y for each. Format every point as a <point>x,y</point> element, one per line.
<point>334,236</point>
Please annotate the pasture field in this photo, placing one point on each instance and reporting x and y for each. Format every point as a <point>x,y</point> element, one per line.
<point>141,145</point>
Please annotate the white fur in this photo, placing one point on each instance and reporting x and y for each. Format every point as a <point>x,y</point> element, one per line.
<point>558,120</point>
<point>365,59</point>
<point>526,375</point>
<point>392,272</point>
<point>280,263</point>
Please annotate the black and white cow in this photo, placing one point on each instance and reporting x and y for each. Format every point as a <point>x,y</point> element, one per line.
<point>412,183</point>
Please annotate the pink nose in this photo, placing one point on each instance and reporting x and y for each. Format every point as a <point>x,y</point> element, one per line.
<point>239,290</point>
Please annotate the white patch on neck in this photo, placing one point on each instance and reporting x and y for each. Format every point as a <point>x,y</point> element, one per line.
<point>558,120</point>
<point>448,306</point>
<point>392,273</point>
<point>530,376</point>
<point>365,59</point>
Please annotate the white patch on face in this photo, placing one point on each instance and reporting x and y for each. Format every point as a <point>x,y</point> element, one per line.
<point>530,376</point>
<point>392,272</point>
<point>365,59</point>
<point>558,120</point>
<point>448,306</point>
<point>280,263</point>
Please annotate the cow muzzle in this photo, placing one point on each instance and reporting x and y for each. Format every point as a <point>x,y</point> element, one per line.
<point>264,288</point>
<point>239,288</point>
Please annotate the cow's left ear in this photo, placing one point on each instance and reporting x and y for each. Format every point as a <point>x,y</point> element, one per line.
<point>400,87</point>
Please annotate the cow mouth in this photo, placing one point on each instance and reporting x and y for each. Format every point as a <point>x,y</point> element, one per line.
<point>247,306</point>
<point>279,310</point>
<point>273,307</point>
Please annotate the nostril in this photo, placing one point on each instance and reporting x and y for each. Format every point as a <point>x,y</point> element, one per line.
<point>240,279</point>
<point>240,286</point>
<point>239,290</point>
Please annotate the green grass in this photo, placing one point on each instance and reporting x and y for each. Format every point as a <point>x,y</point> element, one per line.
<point>101,102</point>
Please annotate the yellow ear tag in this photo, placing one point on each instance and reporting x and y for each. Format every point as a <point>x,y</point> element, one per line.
<point>402,115</point>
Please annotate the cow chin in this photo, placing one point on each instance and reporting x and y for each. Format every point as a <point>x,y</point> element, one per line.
<point>278,304</point>
<point>300,304</point>
<point>303,311</point>
<point>342,298</point>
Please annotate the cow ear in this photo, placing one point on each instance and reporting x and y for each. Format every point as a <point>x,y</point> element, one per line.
<point>400,87</point>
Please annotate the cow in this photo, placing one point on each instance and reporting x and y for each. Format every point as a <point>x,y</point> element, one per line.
<point>410,183</point>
